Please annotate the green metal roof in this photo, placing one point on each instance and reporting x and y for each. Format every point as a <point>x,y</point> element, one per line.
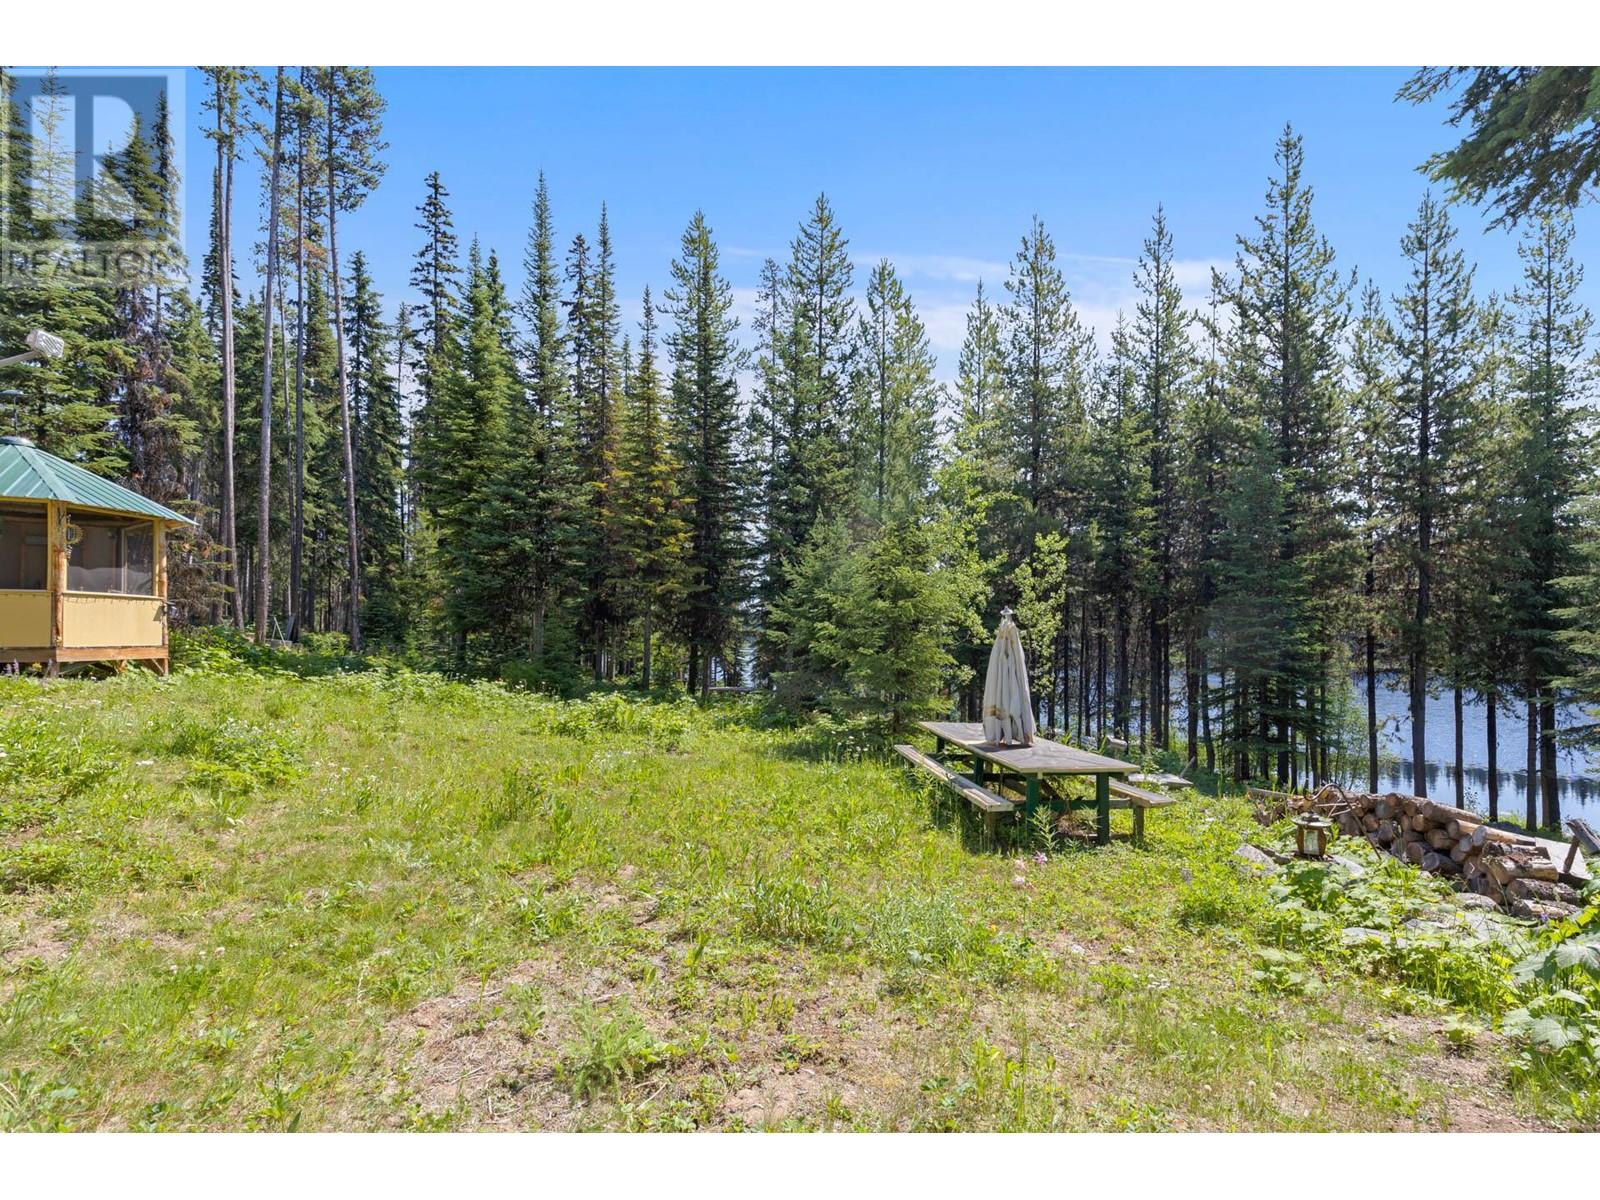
<point>28,473</point>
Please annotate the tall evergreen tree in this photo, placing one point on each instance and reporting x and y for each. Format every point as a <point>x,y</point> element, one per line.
<point>652,532</point>
<point>1436,388</point>
<point>705,406</point>
<point>1554,461</point>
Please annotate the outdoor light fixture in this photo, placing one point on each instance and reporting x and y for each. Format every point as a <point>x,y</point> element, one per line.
<point>40,345</point>
<point>1311,833</point>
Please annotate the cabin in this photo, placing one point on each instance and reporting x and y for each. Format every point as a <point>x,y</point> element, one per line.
<point>83,573</point>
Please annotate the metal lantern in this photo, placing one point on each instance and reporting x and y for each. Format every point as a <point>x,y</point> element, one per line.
<point>1311,834</point>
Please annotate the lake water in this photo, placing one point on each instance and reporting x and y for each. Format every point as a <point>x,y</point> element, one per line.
<point>1578,773</point>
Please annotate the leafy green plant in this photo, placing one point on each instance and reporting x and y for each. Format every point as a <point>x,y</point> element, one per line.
<point>612,1048</point>
<point>1284,971</point>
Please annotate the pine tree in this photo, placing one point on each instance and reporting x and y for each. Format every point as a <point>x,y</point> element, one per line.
<point>1123,512</point>
<point>1554,461</point>
<point>379,460</point>
<point>353,112</point>
<point>223,104</point>
<point>897,401</point>
<point>705,407</point>
<point>264,453</point>
<point>1436,388</point>
<point>777,439</point>
<point>433,276</point>
<point>477,496</point>
<point>1371,409</point>
<point>550,445</point>
<point>1290,309</point>
<point>652,533</point>
<point>1164,364</point>
<point>819,363</point>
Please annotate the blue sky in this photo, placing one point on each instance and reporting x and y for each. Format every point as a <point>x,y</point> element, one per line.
<point>937,169</point>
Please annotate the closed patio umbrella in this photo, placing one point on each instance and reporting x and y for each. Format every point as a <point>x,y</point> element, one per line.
<point>1007,705</point>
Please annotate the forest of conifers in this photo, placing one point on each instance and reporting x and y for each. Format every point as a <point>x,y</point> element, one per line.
<point>1207,530</point>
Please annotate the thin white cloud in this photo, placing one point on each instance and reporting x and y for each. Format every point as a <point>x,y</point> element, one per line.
<point>952,268</point>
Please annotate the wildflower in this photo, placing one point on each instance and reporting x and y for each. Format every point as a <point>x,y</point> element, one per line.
<point>1041,857</point>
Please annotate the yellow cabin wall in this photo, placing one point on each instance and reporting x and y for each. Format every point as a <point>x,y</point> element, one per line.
<point>24,620</point>
<point>95,620</point>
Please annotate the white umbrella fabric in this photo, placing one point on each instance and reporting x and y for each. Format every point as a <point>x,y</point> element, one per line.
<point>1007,706</point>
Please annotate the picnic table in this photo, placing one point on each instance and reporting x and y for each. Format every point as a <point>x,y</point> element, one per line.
<point>1032,764</point>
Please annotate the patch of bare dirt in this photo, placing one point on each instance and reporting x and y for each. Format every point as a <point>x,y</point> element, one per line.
<point>802,1092</point>
<point>25,935</point>
<point>492,1051</point>
<point>1476,1099</point>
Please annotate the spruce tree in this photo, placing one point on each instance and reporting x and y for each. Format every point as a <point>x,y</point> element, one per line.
<point>1554,461</point>
<point>1164,366</point>
<point>1436,389</point>
<point>652,533</point>
<point>705,408</point>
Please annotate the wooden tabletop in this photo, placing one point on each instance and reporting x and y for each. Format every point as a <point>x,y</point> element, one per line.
<point>1044,757</point>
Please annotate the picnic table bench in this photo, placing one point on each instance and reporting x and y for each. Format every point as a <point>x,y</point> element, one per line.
<point>1035,765</point>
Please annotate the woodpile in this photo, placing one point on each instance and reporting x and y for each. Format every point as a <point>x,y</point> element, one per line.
<point>1518,873</point>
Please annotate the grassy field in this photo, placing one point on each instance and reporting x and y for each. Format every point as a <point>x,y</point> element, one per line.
<point>243,898</point>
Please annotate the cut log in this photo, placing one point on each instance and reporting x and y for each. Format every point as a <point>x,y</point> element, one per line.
<point>1387,831</point>
<point>1541,910</point>
<point>1369,822</point>
<point>1439,839</point>
<point>1445,812</point>
<point>1539,889</point>
<point>1460,851</point>
<point>1415,852</point>
<point>1483,835</point>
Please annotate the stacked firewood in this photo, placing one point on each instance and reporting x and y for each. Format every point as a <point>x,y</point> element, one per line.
<point>1516,872</point>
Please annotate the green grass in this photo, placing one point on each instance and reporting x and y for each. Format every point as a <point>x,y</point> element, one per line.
<point>266,895</point>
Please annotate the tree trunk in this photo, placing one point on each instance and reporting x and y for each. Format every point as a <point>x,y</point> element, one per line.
<point>354,546</point>
<point>1191,700</point>
<point>1491,719</point>
<point>647,632</point>
<point>1461,758</point>
<point>1533,760</point>
<point>295,600</point>
<point>1547,756</point>
<point>1372,711</point>
<point>264,509</point>
<point>230,519</point>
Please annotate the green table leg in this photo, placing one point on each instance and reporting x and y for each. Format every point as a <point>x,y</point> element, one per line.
<point>1032,801</point>
<point>1102,799</point>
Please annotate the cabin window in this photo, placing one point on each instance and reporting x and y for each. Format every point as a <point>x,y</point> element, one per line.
<point>112,555</point>
<point>24,550</point>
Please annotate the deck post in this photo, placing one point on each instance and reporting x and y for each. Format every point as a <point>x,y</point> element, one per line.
<point>1102,799</point>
